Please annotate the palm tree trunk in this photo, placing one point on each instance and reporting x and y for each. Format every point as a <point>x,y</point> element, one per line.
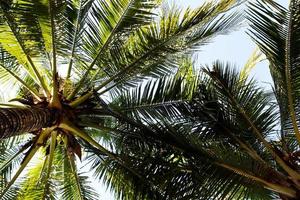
<point>14,121</point>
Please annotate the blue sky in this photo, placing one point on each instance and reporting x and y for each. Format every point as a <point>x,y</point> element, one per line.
<point>234,48</point>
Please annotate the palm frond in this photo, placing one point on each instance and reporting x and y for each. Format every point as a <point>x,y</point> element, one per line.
<point>150,46</point>
<point>11,156</point>
<point>32,151</point>
<point>21,38</point>
<point>76,184</point>
<point>166,97</point>
<point>251,63</point>
<point>167,172</point>
<point>76,29</point>
<point>108,20</point>
<point>271,29</point>
<point>12,74</point>
<point>33,184</point>
<point>226,84</point>
<point>153,47</point>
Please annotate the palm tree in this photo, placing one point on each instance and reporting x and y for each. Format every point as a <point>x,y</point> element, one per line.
<point>222,136</point>
<point>69,60</point>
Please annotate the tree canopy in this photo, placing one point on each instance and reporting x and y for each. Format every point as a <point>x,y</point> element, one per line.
<point>114,83</point>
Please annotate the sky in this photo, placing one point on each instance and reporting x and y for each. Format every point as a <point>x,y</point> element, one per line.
<point>234,48</point>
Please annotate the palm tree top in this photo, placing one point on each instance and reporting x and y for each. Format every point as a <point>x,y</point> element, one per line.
<point>113,83</point>
<point>64,56</point>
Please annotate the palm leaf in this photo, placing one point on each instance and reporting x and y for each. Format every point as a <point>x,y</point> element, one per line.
<point>251,63</point>
<point>76,184</point>
<point>150,47</point>
<point>15,20</point>
<point>109,18</point>
<point>169,174</point>
<point>11,69</point>
<point>271,30</point>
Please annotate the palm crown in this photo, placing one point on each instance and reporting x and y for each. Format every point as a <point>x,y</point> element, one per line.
<point>113,82</point>
<point>64,56</point>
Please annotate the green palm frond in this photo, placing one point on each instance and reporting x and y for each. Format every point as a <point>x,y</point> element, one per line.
<point>220,142</point>
<point>149,47</point>
<point>165,96</point>
<point>118,86</point>
<point>168,172</point>
<point>271,29</point>
<point>111,18</point>
<point>225,83</point>
<point>33,186</point>
<point>55,177</point>
<point>127,185</point>
<point>22,37</point>
<point>24,26</point>
<point>154,46</point>
<point>251,63</point>
<point>76,184</point>
<point>10,70</point>
<point>53,22</point>
<point>11,155</point>
<point>76,29</point>
<point>105,26</point>
<point>245,98</point>
<point>11,184</point>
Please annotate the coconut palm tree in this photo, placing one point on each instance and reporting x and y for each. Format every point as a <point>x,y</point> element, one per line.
<point>68,60</point>
<point>224,137</point>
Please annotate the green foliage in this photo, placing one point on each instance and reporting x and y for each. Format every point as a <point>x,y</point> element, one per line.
<point>133,104</point>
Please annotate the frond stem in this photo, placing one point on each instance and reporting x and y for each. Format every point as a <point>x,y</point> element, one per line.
<point>55,102</point>
<point>7,162</point>
<point>50,161</point>
<point>30,89</point>
<point>281,162</point>
<point>76,131</point>
<point>288,76</point>
<point>74,171</point>
<point>10,20</point>
<point>74,41</point>
<point>26,160</point>
<point>67,125</point>
<point>13,105</point>
<point>101,51</point>
<point>275,187</point>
